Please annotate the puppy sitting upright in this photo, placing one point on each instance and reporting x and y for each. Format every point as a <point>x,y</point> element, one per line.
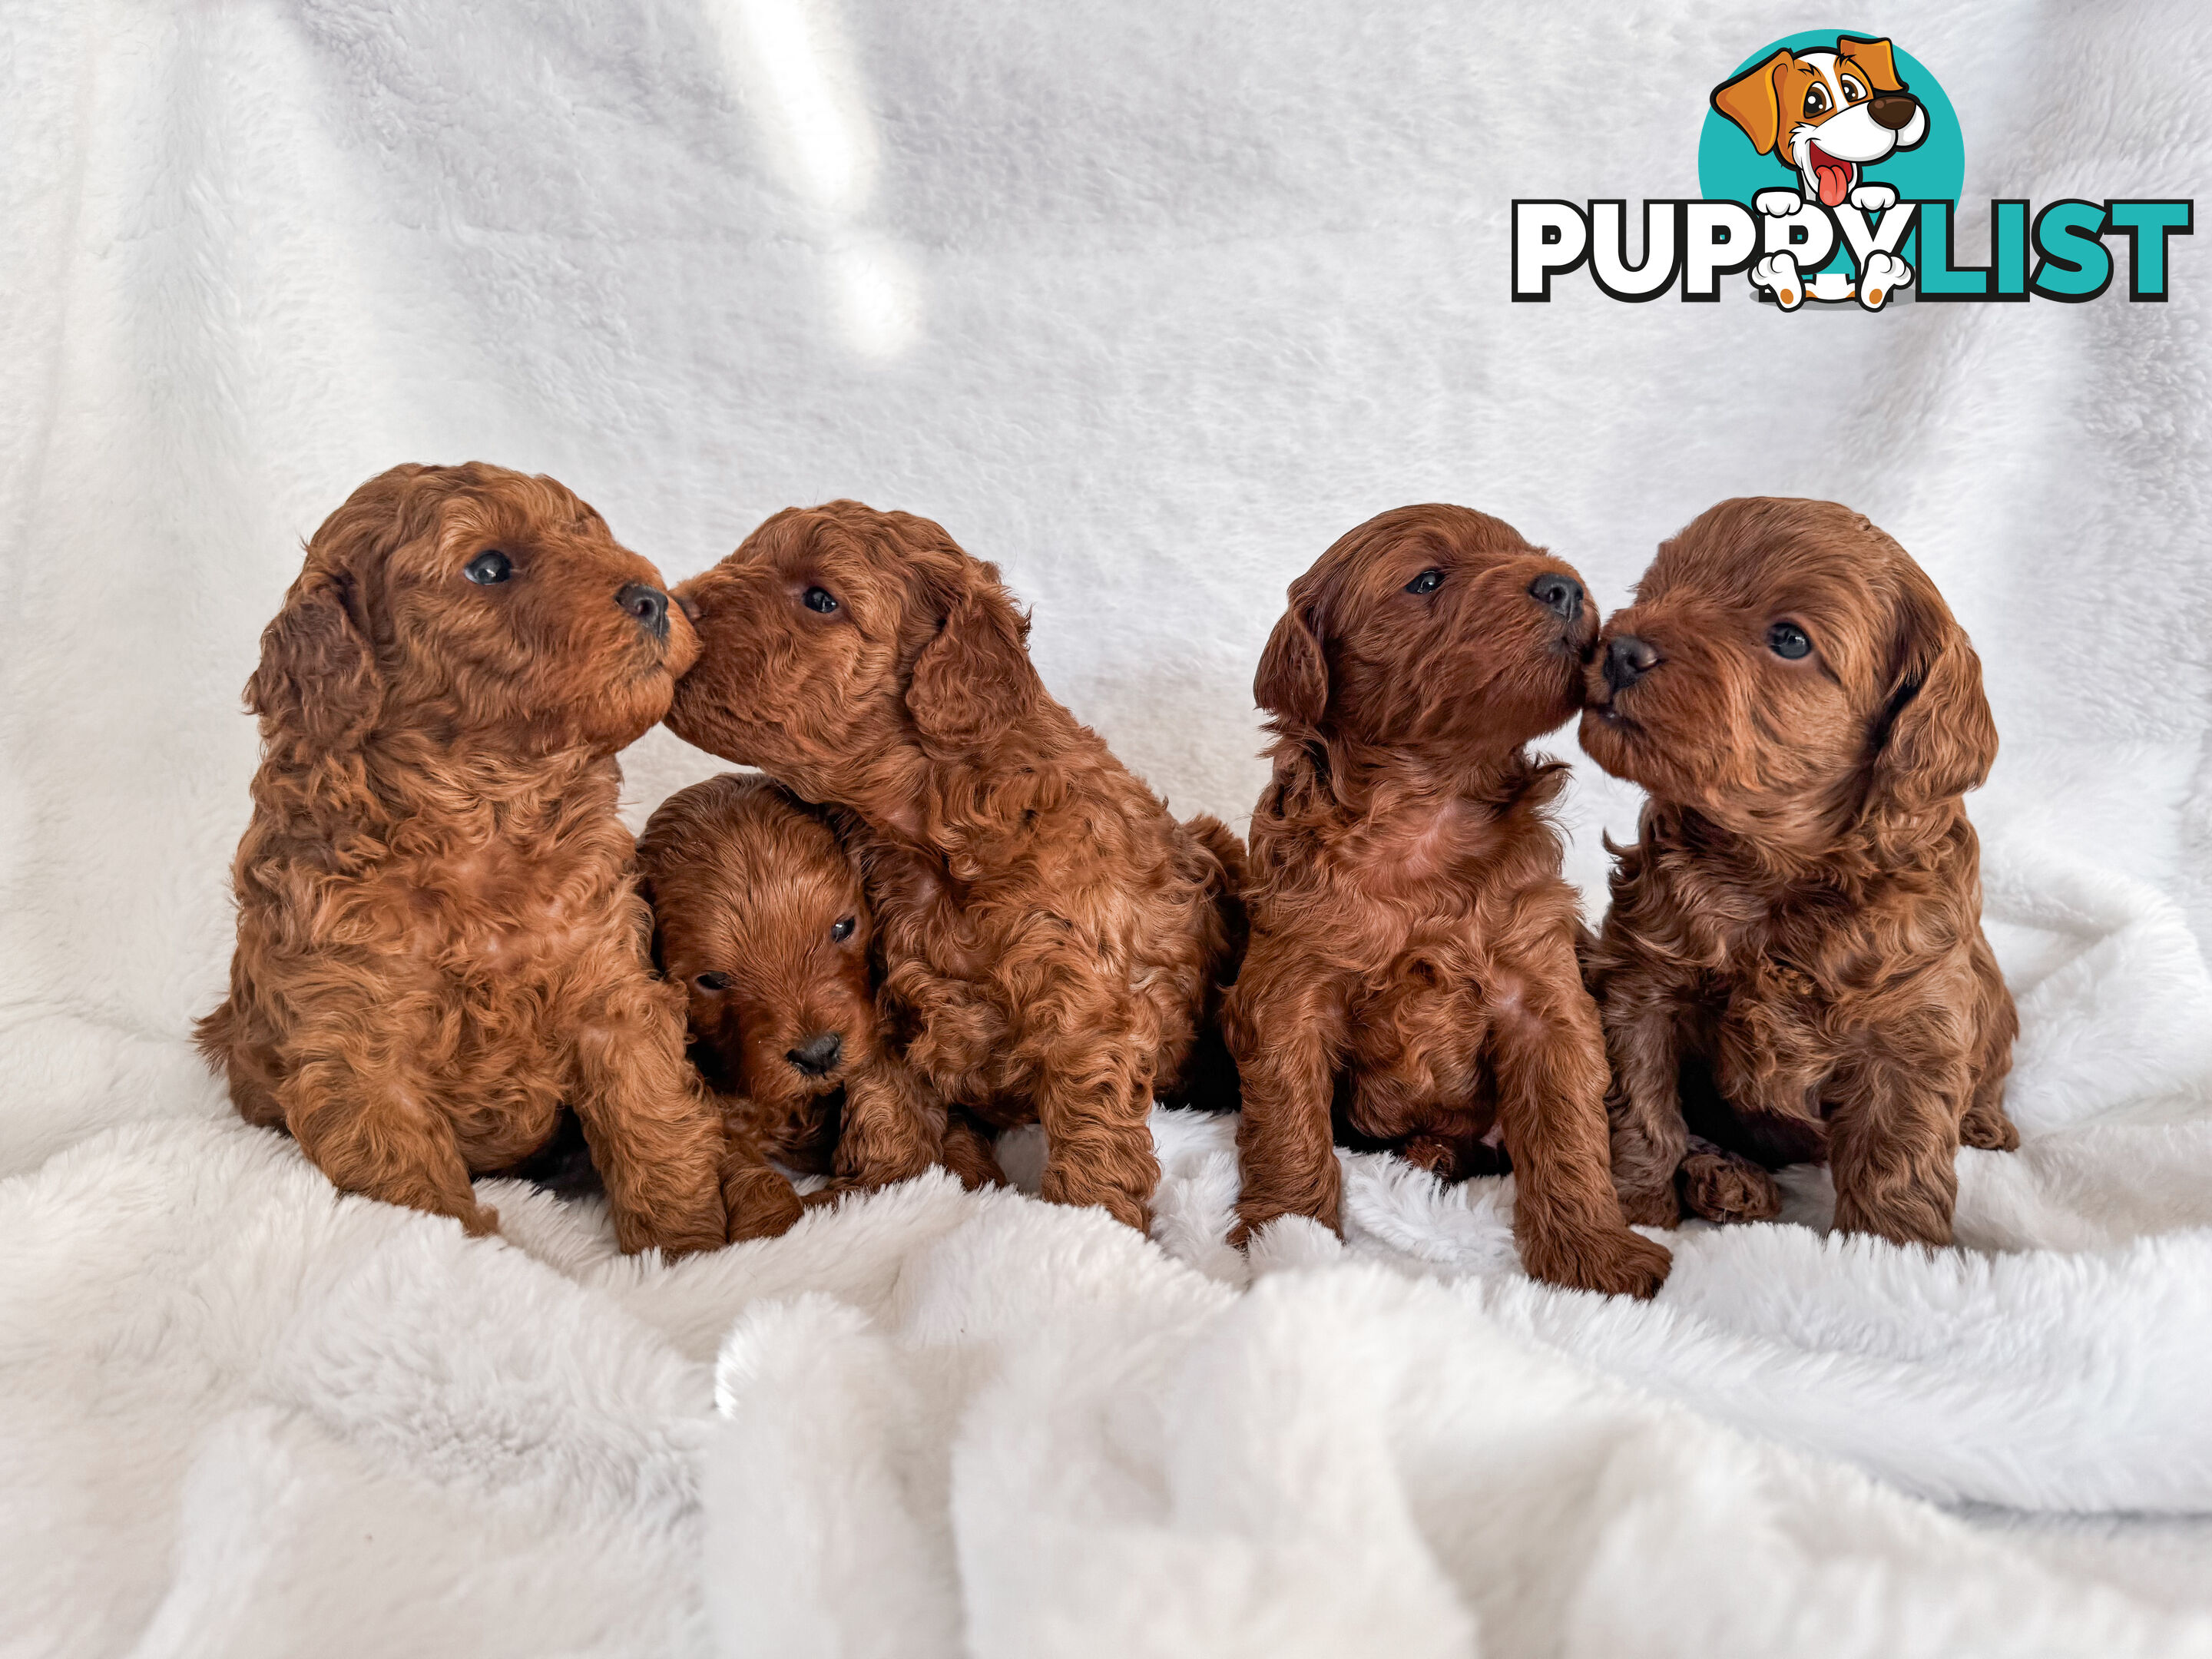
<point>1412,963</point>
<point>1052,941</point>
<point>758,912</point>
<point>1794,954</point>
<point>438,940</point>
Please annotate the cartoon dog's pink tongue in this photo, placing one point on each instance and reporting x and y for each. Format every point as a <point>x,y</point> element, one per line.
<point>1835,176</point>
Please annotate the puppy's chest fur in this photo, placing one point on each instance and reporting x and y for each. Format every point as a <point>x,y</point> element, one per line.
<point>484,900</point>
<point>988,963</point>
<point>1431,922</point>
<point>1784,980</point>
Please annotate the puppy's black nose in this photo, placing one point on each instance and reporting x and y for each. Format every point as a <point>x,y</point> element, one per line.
<point>1627,660</point>
<point>647,606</point>
<point>818,1053</point>
<point>1556,592</point>
<point>1892,110</point>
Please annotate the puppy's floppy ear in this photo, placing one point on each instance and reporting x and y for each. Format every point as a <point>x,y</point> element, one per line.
<point>1754,102</point>
<point>1875,59</point>
<point>974,679</point>
<point>1292,683</point>
<point>1939,738</point>
<point>318,681</point>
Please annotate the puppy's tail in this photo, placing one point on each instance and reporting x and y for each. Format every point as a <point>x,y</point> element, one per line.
<point>1209,1074</point>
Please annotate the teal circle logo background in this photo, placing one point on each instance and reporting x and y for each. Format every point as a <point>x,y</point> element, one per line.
<point>1730,169</point>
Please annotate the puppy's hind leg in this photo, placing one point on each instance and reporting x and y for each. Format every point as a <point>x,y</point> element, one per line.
<point>373,1126</point>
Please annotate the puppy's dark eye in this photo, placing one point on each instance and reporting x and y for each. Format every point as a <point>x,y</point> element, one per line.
<point>489,567</point>
<point>820,599</point>
<point>712,982</point>
<point>1788,640</point>
<point>1427,582</point>
<point>842,931</point>
<point>1816,101</point>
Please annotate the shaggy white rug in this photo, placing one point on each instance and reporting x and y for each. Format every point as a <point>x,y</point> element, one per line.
<point>1149,302</point>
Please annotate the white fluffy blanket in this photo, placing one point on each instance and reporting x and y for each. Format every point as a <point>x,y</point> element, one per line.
<point>1148,303</point>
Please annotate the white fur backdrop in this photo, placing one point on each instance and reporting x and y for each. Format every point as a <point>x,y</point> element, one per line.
<point>1148,303</point>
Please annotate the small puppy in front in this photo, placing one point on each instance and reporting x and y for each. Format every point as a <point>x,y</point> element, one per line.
<point>1412,973</point>
<point>1794,964</point>
<point>440,941</point>
<point>759,914</point>
<point>1051,941</point>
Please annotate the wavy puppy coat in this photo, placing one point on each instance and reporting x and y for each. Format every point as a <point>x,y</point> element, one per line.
<point>759,913</point>
<point>1052,941</point>
<point>1412,966</point>
<point>1795,957</point>
<point>438,938</point>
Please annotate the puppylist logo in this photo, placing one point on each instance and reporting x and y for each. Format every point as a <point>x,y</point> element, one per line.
<point>1829,171</point>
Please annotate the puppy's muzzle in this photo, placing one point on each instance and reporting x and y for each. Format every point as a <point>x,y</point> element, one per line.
<point>647,607</point>
<point>1627,660</point>
<point>815,1056</point>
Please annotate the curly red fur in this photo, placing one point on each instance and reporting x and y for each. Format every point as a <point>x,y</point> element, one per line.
<point>1051,940</point>
<point>1794,964</point>
<point>760,915</point>
<point>1412,968</point>
<point>440,941</point>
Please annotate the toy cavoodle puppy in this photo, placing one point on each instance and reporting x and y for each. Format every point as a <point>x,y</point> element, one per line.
<point>1051,941</point>
<point>1411,970</point>
<point>759,913</point>
<point>440,941</point>
<point>1794,964</point>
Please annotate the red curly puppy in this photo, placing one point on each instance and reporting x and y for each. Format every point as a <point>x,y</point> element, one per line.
<point>1412,964</point>
<point>1051,940</point>
<point>1794,957</point>
<point>759,913</point>
<point>438,938</point>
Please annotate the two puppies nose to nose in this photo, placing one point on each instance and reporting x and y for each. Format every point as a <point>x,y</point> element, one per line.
<point>1627,660</point>
<point>646,606</point>
<point>818,1053</point>
<point>1558,592</point>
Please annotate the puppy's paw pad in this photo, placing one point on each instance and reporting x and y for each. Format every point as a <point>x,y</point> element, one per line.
<point>1873,198</point>
<point>1885,273</point>
<point>1722,1189</point>
<point>1778,272</point>
<point>1777,204</point>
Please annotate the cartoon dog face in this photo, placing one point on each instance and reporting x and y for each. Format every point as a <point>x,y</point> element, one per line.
<point>1831,113</point>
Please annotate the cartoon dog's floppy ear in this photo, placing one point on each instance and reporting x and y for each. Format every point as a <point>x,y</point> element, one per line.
<point>1940,739</point>
<point>1874,58</point>
<point>974,679</point>
<point>1293,681</point>
<point>1754,102</point>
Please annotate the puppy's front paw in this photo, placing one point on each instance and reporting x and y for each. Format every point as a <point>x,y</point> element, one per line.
<point>1885,273</point>
<point>762,1204</point>
<point>1873,198</point>
<point>1777,204</point>
<point>1656,1206</point>
<point>1992,1131</point>
<point>1721,1186</point>
<point>1611,1264</point>
<point>1778,272</point>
